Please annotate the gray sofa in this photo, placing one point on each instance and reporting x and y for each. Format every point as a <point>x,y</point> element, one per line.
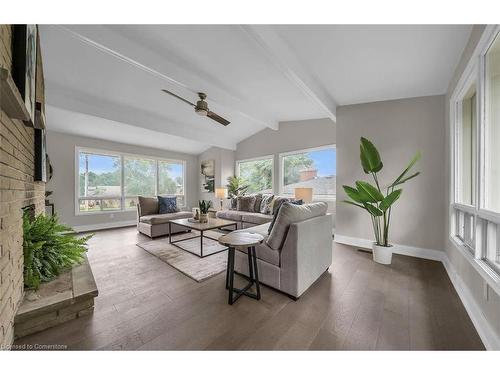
<point>252,216</point>
<point>245,219</point>
<point>153,224</point>
<point>296,252</point>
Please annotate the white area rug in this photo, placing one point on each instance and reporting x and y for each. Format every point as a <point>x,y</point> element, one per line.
<point>191,265</point>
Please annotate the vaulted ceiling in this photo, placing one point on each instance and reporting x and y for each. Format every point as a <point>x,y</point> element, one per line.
<point>105,81</point>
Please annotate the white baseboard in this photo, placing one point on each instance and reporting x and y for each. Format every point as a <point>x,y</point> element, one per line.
<point>412,251</point>
<point>487,334</point>
<point>490,340</point>
<point>116,224</point>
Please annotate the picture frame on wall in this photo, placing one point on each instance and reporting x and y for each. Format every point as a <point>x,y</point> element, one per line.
<point>207,176</point>
<point>24,62</point>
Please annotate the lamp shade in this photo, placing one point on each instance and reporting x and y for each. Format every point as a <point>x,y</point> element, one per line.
<point>221,193</point>
<point>306,194</point>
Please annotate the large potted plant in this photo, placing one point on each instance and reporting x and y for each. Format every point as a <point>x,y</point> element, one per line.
<point>377,200</point>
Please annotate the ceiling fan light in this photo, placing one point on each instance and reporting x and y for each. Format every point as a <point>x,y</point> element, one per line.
<point>201,111</point>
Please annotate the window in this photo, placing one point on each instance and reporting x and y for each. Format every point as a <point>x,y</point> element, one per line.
<point>467,145</point>
<point>257,174</point>
<point>475,121</point>
<point>492,150</point>
<point>492,127</point>
<point>171,180</point>
<point>139,179</point>
<point>112,181</point>
<point>311,168</point>
<point>99,187</point>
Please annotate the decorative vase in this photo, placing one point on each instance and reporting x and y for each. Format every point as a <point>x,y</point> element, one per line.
<point>196,213</point>
<point>382,254</point>
<point>203,218</point>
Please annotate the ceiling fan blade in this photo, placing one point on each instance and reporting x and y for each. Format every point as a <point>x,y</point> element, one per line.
<point>214,116</point>
<point>178,97</point>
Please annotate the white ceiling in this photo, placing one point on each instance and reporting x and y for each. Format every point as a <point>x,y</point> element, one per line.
<point>255,76</point>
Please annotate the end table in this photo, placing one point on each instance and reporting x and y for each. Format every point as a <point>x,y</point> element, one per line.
<point>244,240</point>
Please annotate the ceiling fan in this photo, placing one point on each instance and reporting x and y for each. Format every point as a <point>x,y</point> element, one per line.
<point>201,107</point>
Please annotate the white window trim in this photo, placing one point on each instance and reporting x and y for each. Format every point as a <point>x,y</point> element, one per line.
<point>474,71</point>
<point>122,156</point>
<point>265,157</point>
<point>281,173</point>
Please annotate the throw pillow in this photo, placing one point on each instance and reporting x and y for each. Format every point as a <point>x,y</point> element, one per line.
<point>148,205</point>
<point>167,205</point>
<point>265,203</point>
<point>258,200</point>
<point>246,203</point>
<point>280,203</point>
<point>277,203</point>
<point>289,214</point>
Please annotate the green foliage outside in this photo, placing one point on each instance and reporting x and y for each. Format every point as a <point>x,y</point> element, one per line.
<point>293,164</point>
<point>49,248</point>
<point>376,200</point>
<point>139,178</point>
<point>257,175</point>
<point>235,186</point>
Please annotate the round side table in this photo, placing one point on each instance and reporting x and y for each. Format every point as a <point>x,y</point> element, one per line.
<point>242,240</point>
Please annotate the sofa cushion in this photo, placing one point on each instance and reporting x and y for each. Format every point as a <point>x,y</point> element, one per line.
<point>291,213</point>
<point>255,218</point>
<point>246,203</point>
<point>148,205</point>
<point>280,203</point>
<point>167,205</point>
<point>165,218</point>
<point>258,199</point>
<point>265,204</point>
<point>229,215</point>
<point>263,251</point>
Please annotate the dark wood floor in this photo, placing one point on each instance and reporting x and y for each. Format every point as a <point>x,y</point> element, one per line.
<point>144,303</point>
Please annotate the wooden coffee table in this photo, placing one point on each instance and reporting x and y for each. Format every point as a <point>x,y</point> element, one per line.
<point>213,223</point>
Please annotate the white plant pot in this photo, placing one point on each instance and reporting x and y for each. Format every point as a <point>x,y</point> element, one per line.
<point>382,254</point>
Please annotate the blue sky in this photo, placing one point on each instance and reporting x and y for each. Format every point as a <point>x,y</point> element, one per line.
<point>325,161</point>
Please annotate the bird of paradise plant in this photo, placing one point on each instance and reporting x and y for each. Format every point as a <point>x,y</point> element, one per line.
<point>376,200</point>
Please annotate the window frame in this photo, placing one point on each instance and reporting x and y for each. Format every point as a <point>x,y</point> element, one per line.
<point>474,245</point>
<point>265,157</point>
<point>122,197</point>
<point>281,173</point>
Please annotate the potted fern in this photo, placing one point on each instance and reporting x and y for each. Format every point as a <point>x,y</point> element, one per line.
<point>204,207</point>
<point>50,248</point>
<point>378,201</point>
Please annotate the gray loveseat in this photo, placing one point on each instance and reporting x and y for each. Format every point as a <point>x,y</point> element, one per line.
<point>153,224</point>
<point>296,252</point>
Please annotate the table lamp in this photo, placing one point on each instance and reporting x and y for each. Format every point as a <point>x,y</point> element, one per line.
<point>221,193</point>
<point>306,194</point>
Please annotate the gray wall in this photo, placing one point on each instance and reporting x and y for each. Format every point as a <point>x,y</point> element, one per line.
<point>224,167</point>
<point>470,278</point>
<point>61,149</point>
<point>291,136</point>
<point>398,128</point>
